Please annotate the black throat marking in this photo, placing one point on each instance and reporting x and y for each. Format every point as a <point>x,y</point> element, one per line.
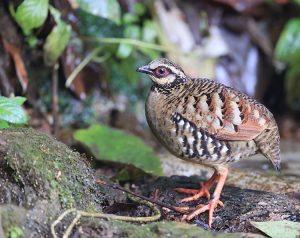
<point>166,89</point>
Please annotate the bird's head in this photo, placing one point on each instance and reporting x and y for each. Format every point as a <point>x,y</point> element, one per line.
<point>163,73</point>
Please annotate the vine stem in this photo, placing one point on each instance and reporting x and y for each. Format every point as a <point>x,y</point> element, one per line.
<point>134,42</point>
<point>83,63</point>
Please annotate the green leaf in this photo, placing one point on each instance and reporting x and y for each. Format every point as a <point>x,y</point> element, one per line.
<point>15,232</point>
<point>297,1</point>
<point>4,124</point>
<point>133,32</point>
<point>11,111</point>
<point>279,229</point>
<point>124,50</point>
<point>56,42</point>
<point>129,18</point>
<point>32,40</point>
<point>19,100</point>
<point>139,8</point>
<point>149,31</point>
<point>109,9</point>
<point>91,25</point>
<point>288,46</point>
<point>114,145</point>
<point>292,86</point>
<point>31,14</point>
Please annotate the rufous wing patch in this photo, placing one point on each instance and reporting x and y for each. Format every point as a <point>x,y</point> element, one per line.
<point>245,131</point>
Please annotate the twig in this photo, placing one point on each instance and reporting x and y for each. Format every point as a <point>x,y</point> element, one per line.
<point>71,226</point>
<point>55,99</point>
<point>82,64</point>
<point>182,210</point>
<point>59,219</point>
<point>134,42</point>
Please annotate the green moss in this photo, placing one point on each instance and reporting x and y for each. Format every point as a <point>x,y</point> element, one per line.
<point>15,232</point>
<point>11,219</point>
<point>154,230</point>
<point>50,167</point>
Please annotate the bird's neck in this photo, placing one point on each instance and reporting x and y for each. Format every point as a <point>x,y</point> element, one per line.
<point>167,89</point>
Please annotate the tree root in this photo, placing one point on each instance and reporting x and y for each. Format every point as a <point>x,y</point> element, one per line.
<point>79,214</point>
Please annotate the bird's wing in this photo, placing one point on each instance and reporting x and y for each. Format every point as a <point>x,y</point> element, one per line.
<point>224,113</point>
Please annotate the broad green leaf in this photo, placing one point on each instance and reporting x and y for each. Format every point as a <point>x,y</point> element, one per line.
<point>288,45</point>
<point>109,9</point>
<point>19,100</point>
<point>124,50</point>
<point>11,111</point>
<point>279,229</point>
<point>31,14</point>
<point>297,1</point>
<point>56,42</point>
<point>115,145</point>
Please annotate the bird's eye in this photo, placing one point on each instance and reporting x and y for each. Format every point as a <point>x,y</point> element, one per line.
<point>161,72</point>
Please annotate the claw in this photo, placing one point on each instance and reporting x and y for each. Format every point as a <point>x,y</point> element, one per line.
<point>202,192</point>
<point>210,207</point>
<point>220,176</point>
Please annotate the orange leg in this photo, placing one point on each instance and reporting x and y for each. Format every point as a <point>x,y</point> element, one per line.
<point>202,192</point>
<point>214,202</point>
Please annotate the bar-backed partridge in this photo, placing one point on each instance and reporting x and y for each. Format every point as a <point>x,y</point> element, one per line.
<point>202,121</point>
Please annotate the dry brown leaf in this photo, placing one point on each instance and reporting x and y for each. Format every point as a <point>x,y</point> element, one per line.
<point>16,55</point>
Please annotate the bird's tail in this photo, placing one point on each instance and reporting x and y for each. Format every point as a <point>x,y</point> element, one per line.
<point>268,143</point>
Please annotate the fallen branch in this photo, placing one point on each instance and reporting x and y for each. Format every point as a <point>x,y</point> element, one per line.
<point>182,210</point>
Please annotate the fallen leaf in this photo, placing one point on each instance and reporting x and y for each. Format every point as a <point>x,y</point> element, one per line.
<point>15,54</point>
<point>279,229</point>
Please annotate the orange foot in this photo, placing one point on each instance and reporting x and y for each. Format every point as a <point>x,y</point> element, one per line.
<point>220,176</point>
<point>198,193</point>
<point>210,207</point>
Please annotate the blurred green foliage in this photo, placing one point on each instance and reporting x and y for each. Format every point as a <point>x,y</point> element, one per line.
<point>109,9</point>
<point>57,40</point>
<point>11,112</point>
<point>31,14</point>
<point>114,145</point>
<point>120,41</point>
<point>288,51</point>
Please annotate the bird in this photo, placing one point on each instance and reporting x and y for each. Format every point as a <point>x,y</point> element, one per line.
<point>205,122</point>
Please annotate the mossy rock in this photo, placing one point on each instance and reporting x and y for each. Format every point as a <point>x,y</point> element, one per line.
<point>44,177</point>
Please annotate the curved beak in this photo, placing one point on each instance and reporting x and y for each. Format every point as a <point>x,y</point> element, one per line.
<point>144,69</point>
